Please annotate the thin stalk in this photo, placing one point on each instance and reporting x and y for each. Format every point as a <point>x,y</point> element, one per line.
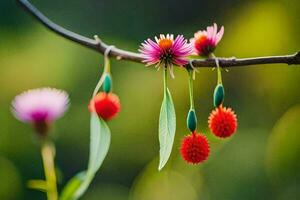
<point>219,73</point>
<point>47,152</point>
<point>165,80</point>
<point>107,65</point>
<point>106,69</point>
<point>219,81</point>
<point>100,82</point>
<point>191,89</point>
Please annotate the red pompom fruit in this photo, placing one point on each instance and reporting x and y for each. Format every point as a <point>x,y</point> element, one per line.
<point>222,122</point>
<point>195,148</point>
<point>106,105</point>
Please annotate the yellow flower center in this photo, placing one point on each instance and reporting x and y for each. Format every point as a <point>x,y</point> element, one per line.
<point>200,40</point>
<point>165,43</point>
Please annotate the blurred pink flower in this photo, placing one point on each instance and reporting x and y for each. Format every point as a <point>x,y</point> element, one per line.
<point>167,51</point>
<point>40,105</point>
<point>205,42</point>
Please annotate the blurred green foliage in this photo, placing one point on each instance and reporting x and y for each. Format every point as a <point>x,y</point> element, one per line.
<point>259,162</point>
<point>283,160</point>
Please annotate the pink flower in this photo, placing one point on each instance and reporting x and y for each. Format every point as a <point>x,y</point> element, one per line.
<point>205,42</point>
<point>40,105</point>
<point>165,50</point>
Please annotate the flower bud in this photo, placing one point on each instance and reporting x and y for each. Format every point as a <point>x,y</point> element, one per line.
<point>192,120</point>
<point>107,84</point>
<point>219,94</point>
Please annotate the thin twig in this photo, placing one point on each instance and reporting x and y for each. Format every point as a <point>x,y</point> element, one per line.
<point>100,46</point>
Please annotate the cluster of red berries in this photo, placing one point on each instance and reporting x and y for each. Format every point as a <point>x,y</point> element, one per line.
<point>195,148</point>
<point>222,121</point>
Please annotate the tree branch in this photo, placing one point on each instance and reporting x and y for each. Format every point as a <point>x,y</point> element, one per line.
<point>98,45</point>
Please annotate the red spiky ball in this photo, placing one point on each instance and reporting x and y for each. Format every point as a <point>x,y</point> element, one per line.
<point>107,105</point>
<point>222,122</point>
<point>194,148</point>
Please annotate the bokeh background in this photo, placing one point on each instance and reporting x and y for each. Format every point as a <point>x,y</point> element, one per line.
<point>260,162</point>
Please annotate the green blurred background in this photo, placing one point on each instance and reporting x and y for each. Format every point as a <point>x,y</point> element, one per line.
<point>260,162</point>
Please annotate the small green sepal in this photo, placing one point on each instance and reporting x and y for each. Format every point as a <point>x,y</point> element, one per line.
<point>107,84</point>
<point>219,94</point>
<point>191,120</point>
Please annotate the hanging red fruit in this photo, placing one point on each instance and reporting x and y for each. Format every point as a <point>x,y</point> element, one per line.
<point>222,122</point>
<point>106,105</point>
<point>195,148</point>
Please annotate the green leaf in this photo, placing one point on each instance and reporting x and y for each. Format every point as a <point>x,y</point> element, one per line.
<point>69,191</point>
<point>283,150</point>
<point>99,145</point>
<point>167,127</point>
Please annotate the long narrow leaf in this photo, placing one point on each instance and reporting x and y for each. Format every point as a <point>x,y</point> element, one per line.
<point>167,127</point>
<point>99,145</point>
<point>72,186</point>
<point>100,142</point>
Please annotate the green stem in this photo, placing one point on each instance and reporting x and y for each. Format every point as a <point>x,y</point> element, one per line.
<point>218,69</point>
<point>165,80</point>
<point>106,70</point>
<point>106,64</point>
<point>100,82</point>
<point>47,151</point>
<point>191,90</point>
<point>219,74</point>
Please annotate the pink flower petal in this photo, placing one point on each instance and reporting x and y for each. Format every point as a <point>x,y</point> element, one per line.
<point>220,35</point>
<point>40,104</point>
<point>152,53</point>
